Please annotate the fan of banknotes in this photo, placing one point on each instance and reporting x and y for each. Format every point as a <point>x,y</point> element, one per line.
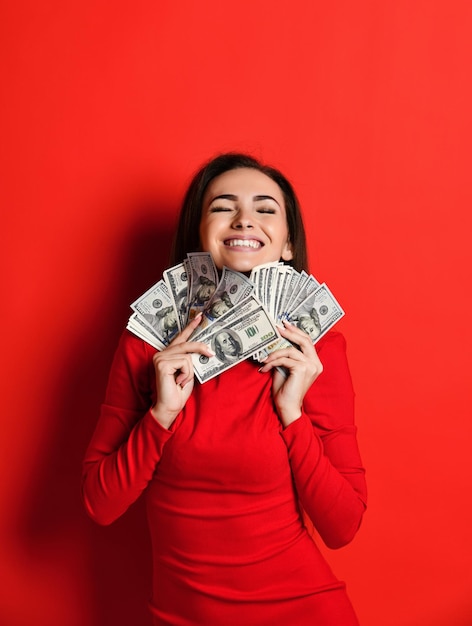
<point>240,314</point>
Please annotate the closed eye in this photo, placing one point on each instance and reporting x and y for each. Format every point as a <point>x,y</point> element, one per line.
<point>219,209</point>
<point>265,210</point>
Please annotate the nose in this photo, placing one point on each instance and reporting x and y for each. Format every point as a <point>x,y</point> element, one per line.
<point>243,220</point>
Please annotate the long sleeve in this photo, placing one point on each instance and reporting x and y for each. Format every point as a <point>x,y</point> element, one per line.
<point>323,451</point>
<point>127,443</point>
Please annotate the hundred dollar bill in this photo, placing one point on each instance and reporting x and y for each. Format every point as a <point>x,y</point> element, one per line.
<point>234,338</point>
<point>289,289</point>
<point>239,314</point>
<point>232,288</point>
<point>315,316</point>
<point>277,344</point>
<point>258,277</point>
<point>271,290</point>
<point>229,317</point>
<point>305,288</point>
<point>203,281</point>
<point>156,308</point>
<point>293,289</point>
<point>317,313</point>
<point>285,271</point>
<point>176,279</point>
<point>258,269</point>
<point>138,327</point>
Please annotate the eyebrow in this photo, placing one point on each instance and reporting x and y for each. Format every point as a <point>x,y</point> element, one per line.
<point>234,198</point>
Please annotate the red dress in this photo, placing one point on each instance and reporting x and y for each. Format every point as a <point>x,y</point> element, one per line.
<point>224,488</point>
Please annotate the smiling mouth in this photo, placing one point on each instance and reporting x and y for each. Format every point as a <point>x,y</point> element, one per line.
<point>243,243</point>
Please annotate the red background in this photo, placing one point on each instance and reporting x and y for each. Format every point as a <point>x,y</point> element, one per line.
<point>107,110</point>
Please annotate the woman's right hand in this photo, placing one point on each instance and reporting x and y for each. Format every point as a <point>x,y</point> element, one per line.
<point>174,374</point>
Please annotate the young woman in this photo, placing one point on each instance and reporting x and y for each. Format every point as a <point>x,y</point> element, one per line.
<point>233,468</point>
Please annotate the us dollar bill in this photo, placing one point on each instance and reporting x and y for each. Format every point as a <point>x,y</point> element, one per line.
<point>176,279</point>
<point>232,288</point>
<point>239,313</point>
<point>285,272</point>
<point>317,313</point>
<point>277,344</point>
<point>156,308</point>
<point>289,288</point>
<point>139,328</point>
<point>234,338</point>
<point>203,281</point>
<point>315,316</point>
<point>305,289</point>
<point>258,277</point>
<point>271,289</point>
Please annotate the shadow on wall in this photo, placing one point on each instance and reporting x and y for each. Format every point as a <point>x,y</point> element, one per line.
<point>117,577</point>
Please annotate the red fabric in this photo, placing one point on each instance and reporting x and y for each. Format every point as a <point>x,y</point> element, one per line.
<point>224,489</point>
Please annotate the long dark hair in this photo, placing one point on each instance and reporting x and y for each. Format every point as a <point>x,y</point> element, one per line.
<point>187,238</point>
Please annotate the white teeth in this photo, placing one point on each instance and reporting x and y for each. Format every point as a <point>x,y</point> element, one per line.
<point>245,243</point>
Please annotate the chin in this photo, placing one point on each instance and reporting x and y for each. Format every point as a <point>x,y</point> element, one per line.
<point>243,266</point>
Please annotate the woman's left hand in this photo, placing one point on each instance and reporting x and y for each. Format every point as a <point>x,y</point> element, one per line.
<point>303,367</point>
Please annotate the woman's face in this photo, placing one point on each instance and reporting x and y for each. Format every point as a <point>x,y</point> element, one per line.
<point>244,222</point>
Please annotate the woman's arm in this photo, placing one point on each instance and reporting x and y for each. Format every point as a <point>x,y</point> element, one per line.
<point>323,450</point>
<point>146,391</point>
<point>128,442</point>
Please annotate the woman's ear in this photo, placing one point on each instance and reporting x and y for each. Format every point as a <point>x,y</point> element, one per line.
<point>287,252</point>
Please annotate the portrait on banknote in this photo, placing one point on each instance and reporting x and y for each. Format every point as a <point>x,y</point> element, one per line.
<point>219,307</point>
<point>227,346</point>
<point>309,322</point>
<point>163,321</point>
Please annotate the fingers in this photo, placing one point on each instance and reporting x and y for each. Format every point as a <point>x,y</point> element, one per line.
<point>178,357</point>
<point>175,361</point>
<point>175,374</point>
<point>172,362</point>
<point>188,347</point>
<point>274,359</point>
<point>294,362</point>
<point>302,347</point>
<point>295,335</point>
<point>188,330</point>
<point>303,359</point>
<point>180,345</point>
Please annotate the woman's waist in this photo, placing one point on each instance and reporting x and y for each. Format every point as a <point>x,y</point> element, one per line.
<point>262,568</point>
<point>211,527</point>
